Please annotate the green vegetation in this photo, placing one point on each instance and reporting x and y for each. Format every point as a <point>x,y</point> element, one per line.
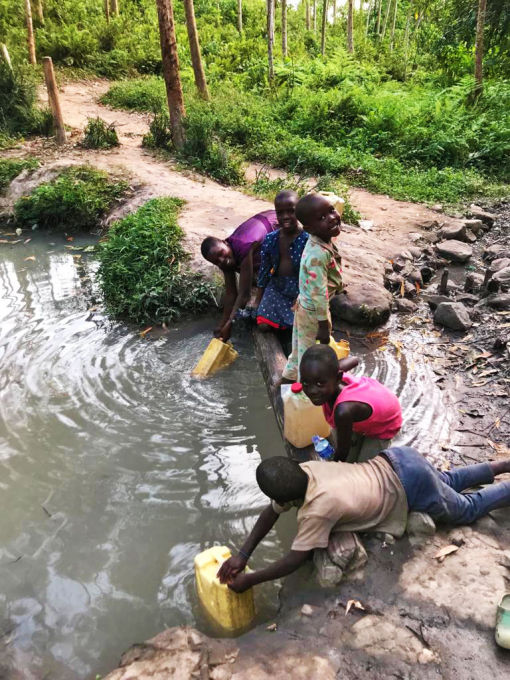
<point>11,168</point>
<point>395,116</point>
<point>100,135</point>
<point>143,271</point>
<point>18,112</point>
<point>76,200</point>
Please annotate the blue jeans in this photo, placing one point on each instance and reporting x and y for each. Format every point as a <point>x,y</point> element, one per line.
<point>439,493</point>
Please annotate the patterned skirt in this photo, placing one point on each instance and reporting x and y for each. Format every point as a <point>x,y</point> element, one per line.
<point>275,308</point>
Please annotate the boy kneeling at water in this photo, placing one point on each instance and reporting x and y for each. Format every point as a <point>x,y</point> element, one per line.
<point>371,496</point>
<point>364,413</point>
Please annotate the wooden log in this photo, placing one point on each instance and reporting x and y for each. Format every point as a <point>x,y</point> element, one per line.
<point>272,361</point>
<point>30,33</point>
<point>5,55</point>
<point>51,86</point>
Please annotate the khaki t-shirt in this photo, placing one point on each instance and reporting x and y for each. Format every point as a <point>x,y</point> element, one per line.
<point>348,497</point>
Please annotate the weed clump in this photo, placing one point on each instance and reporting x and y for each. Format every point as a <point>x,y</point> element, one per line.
<point>76,200</point>
<point>100,135</point>
<point>19,114</point>
<point>143,273</point>
<point>10,168</point>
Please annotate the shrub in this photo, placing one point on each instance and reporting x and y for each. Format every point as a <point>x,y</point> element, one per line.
<point>142,270</point>
<point>159,132</point>
<point>11,168</point>
<point>19,114</point>
<point>100,135</point>
<point>75,201</point>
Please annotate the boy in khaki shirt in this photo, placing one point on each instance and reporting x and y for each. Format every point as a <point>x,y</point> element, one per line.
<point>375,496</point>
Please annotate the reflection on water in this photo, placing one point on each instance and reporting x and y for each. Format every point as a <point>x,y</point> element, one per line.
<point>115,469</point>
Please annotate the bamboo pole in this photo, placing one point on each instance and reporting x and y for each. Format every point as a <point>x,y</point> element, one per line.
<point>171,73</point>
<point>51,86</point>
<point>393,24</point>
<point>350,20</point>
<point>107,10</point>
<point>386,16</point>
<point>314,16</point>
<point>5,55</point>
<point>40,13</point>
<point>30,33</point>
<point>480,25</point>
<point>284,28</point>
<point>378,24</point>
<point>307,14</point>
<point>323,27</point>
<point>240,16</point>
<point>270,39</point>
<point>194,48</point>
<point>369,12</point>
<point>115,7</point>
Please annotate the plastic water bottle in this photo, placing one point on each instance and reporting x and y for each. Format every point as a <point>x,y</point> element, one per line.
<point>322,447</point>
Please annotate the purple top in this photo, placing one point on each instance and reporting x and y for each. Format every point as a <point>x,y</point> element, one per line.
<point>254,229</point>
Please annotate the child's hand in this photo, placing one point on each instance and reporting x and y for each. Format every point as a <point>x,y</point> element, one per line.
<point>240,583</point>
<point>231,568</point>
<point>323,333</point>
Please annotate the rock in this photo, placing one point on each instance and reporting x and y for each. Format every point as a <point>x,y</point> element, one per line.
<point>399,264</point>
<point>455,251</point>
<point>410,290</point>
<point>434,300</point>
<point>426,656</point>
<point>505,559</point>
<point>470,237</point>
<point>393,281</point>
<point>496,252</point>
<point>500,263</point>
<point>481,214</point>
<point>467,298</point>
<point>364,304</point>
<point>453,231</point>
<point>501,302</point>
<point>502,276</point>
<point>437,207</point>
<point>474,225</point>
<point>453,315</point>
<point>456,536</point>
<point>426,273</point>
<point>415,252</point>
<point>306,610</point>
<point>420,524</point>
<point>404,306</point>
<point>406,255</point>
<point>473,282</point>
<point>416,277</point>
<point>429,224</point>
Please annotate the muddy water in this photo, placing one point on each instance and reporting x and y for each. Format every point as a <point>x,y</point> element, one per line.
<point>116,468</point>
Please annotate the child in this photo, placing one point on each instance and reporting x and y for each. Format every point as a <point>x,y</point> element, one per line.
<point>239,253</point>
<point>320,277</point>
<point>280,257</point>
<point>375,496</point>
<point>365,414</point>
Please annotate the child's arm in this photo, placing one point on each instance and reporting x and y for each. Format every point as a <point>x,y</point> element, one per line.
<point>292,560</point>
<point>230,298</point>
<point>235,564</point>
<point>343,424</point>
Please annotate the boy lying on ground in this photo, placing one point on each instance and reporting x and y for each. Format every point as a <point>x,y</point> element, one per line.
<point>371,496</point>
<point>364,413</point>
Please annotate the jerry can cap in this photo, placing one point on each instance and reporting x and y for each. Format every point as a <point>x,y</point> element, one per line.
<point>296,387</point>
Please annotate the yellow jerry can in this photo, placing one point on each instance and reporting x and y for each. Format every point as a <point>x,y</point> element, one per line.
<point>338,202</point>
<point>232,611</point>
<point>217,355</point>
<point>341,347</point>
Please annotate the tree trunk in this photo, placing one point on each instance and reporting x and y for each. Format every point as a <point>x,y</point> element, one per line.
<point>393,23</point>
<point>30,33</point>
<point>378,25</point>
<point>5,55</point>
<point>350,36</point>
<point>324,22</point>
<point>107,10</point>
<point>171,71</point>
<point>314,16</point>
<point>406,37</point>
<point>194,48</point>
<point>114,6</point>
<point>270,39</point>
<point>40,13</point>
<point>480,25</point>
<point>307,14</point>
<point>333,20</point>
<point>386,15</point>
<point>369,12</point>
<point>240,16</point>
<point>284,28</point>
<point>51,86</point>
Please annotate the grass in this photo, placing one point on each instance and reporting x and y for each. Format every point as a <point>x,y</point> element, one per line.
<point>99,134</point>
<point>76,200</point>
<point>10,168</point>
<point>143,272</point>
<point>411,142</point>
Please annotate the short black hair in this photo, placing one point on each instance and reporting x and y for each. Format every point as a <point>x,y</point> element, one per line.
<point>281,479</point>
<point>322,354</point>
<point>208,244</point>
<point>285,195</point>
<point>306,206</point>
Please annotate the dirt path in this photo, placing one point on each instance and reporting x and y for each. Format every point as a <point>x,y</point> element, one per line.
<point>214,209</point>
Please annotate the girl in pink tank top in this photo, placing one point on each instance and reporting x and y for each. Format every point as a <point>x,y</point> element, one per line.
<point>364,413</point>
